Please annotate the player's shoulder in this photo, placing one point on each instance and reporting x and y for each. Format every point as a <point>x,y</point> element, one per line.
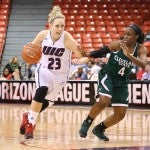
<point>41,35</point>
<point>115,42</point>
<point>67,34</point>
<point>114,45</point>
<point>142,48</point>
<point>43,32</point>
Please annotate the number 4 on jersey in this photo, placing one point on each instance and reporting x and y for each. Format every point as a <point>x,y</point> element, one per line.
<point>122,71</point>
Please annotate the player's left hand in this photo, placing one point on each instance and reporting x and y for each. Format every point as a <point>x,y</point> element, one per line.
<point>124,47</point>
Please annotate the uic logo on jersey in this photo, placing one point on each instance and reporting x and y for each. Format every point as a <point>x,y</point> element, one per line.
<point>53,51</point>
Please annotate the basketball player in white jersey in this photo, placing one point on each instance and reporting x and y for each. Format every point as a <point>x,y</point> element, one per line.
<point>53,68</point>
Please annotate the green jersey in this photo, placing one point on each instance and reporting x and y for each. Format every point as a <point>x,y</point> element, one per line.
<point>119,66</point>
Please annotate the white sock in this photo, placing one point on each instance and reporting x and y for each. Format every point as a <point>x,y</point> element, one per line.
<point>32,117</point>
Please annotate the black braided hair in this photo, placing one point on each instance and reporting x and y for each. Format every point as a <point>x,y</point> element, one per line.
<point>138,31</point>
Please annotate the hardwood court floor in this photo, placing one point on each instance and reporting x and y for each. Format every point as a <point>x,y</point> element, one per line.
<point>57,129</point>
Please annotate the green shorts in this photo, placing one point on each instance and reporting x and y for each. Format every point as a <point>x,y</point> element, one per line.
<point>108,86</point>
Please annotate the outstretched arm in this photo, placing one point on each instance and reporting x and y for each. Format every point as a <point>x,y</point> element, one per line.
<point>99,53</point>
<point>112,46</point>
<point>71,44</point>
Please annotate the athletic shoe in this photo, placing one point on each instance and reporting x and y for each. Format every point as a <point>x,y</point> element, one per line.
<point>100,133</point>
<point>84,128</point>
<point>23,123</point>
<point>29,131</point>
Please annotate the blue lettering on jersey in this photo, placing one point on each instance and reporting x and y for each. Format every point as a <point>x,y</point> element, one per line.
<point>53,51</point>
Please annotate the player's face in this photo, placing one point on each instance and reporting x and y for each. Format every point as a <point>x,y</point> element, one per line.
<point>57,27</point>
<point>130,36</point>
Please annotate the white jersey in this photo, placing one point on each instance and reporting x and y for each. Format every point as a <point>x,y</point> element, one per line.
<point>55,56</point>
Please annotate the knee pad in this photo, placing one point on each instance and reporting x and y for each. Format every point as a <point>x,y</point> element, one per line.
<point>40,94</point>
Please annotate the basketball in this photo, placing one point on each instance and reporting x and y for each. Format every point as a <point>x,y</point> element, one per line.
<point>31,53</point>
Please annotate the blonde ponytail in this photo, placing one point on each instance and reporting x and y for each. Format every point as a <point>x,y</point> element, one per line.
<point>55,13</point>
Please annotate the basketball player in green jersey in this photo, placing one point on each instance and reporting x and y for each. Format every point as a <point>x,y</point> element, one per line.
<point>114,77</point>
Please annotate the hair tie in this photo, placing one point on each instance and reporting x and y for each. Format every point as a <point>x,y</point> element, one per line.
<point>136,29</point>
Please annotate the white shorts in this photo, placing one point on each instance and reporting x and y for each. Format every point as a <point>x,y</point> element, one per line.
<point>55,83</point>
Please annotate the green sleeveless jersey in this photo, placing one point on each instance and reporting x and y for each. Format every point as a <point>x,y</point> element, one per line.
<point>119,66</point>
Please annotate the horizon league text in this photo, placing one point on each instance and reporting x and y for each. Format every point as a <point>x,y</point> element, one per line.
<point>74,92</point>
